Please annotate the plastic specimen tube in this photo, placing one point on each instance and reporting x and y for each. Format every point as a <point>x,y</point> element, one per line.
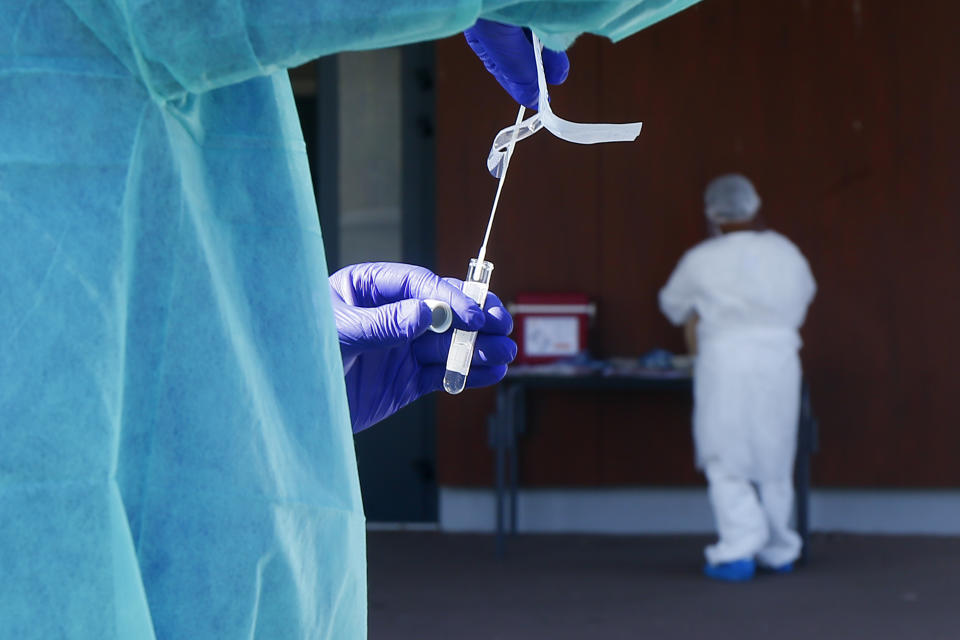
<point>460,355</point>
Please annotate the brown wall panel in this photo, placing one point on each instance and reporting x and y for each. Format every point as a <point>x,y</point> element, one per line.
<point>843,114</point>
<point>645,439</point>
<point>562,446</point>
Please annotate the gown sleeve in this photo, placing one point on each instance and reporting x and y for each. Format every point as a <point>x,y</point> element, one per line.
<point>193,46</point>
<point>678,297</point>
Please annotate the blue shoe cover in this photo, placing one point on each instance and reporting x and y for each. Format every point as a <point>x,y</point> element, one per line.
<point>736,571</point>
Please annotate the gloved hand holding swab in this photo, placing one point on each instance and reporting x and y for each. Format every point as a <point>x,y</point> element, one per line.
<point>580,133</point>
<point>477,282</point>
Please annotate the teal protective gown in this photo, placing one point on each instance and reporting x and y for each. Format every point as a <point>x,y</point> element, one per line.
<point>176,455</point>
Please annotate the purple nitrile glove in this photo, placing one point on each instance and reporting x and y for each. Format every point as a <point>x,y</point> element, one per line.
<point>389,357</point>
<point>507,53</point>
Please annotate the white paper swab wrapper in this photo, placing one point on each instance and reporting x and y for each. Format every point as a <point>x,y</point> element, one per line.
<point>580,133</point>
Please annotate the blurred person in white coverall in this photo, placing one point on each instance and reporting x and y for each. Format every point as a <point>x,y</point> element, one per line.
<point>744,294</point>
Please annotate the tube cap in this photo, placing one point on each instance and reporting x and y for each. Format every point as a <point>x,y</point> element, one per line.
<point>442,315</point>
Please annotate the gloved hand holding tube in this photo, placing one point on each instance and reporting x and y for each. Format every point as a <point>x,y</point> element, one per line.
<point>390,358</point>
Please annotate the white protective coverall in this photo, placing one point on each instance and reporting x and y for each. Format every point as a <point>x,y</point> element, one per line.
<point>751,291</point>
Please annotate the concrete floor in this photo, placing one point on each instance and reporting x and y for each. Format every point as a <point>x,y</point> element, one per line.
<point>428,586</point>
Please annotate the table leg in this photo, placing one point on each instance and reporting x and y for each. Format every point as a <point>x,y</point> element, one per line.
<point>802,475</point>
<point>498,426</point>
<point>513,490</point>
<point>806,445</point>
<point>514,411</point>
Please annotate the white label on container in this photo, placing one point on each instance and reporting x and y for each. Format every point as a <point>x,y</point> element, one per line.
<point>476,290</point>
<point>461,351</point>
<point>551,336</point>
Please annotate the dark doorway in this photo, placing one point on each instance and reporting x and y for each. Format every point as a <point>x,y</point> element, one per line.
<point>396,458</point>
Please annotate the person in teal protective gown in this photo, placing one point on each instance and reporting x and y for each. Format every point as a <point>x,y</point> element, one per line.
<point>176,457</point>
